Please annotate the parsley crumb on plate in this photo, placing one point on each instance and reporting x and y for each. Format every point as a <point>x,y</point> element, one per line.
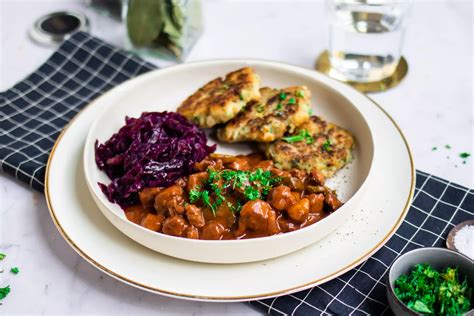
<point>15,270</point>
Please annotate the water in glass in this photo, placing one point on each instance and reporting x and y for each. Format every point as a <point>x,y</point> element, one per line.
<point>365,38</point>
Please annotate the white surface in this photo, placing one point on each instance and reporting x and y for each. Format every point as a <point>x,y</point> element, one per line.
<point>433,106</point>
<point>362,224</point>
<point>145,93</point>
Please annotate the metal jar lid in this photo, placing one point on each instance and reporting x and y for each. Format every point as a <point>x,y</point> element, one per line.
<point>56,27</point>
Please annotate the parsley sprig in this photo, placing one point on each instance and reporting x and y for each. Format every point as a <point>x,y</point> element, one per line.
<point>302,135</point>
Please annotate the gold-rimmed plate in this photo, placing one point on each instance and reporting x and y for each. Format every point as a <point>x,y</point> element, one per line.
<point>377,216</point>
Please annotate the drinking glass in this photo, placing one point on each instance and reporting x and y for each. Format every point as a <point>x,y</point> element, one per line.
<point>366,37</point>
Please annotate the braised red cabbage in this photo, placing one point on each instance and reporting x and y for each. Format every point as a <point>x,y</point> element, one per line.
<point>153,150</point>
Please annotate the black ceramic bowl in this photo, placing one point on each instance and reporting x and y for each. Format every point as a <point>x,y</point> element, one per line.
<point>438,258</point>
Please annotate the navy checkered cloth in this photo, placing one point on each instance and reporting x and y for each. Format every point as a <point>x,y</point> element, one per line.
<point>34,112</point>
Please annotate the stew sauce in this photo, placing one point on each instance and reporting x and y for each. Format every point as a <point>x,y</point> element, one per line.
<point>235,197</point>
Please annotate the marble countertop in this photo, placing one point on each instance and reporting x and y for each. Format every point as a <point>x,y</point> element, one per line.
<point>433,106</point>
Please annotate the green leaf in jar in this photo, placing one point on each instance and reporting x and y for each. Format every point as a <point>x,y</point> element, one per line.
<point>177,14</point>
<point>144,21</point>
<point>173,31</point>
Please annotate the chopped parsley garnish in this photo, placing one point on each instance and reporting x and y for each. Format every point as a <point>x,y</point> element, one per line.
<point>2,256</point>
<point>260,108</point>
<point>4,291</point>
<point>194,196</point>
<point>207,201</point>
<point>428,291</point>
<point>299,94</point>
<point>464,155</point>
<point>241,97</point>
<point>282,95</point>
<point>447,146</point>
<point>279,106</point>
<point>327,145</point>
<point>434,148</point>
<point>236,207</point>
<point>291,101</point>
<point>254,185</point>
<point>251,193</point>
<point>302,135</point>
<point>15,270</point>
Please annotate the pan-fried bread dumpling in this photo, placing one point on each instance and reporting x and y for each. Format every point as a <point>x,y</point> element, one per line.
<point>277,112</point>
<point>316,144</point>
<point>220,100</point>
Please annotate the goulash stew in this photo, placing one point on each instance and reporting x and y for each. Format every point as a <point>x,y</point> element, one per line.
<point>235,197</point>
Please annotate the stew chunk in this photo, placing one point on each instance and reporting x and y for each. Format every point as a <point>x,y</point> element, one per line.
<point>257,216</point>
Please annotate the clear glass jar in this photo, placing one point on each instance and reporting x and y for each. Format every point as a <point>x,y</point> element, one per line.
<point>167,29</point>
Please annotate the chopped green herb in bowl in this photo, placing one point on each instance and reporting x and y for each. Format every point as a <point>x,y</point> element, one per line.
<point>429,291</point>
<point>431,281</point>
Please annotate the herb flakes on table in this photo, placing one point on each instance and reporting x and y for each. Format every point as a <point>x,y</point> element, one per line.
<point>4,291</point>
<point>463,155</point>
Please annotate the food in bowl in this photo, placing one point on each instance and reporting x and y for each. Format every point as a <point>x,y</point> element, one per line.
<point>235,197</point>
<point>219,100</point>
<point>315,145</point>
<point>155,149</point>
<point>167,180</point>
<point>426,290</point>
<point>269,118</point>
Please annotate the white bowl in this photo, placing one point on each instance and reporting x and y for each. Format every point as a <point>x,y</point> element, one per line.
<point>163,90</point>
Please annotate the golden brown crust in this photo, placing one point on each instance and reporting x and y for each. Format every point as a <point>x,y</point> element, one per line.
<point>276,113</point>
<point>220,100</point>
<point>326,158</point>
